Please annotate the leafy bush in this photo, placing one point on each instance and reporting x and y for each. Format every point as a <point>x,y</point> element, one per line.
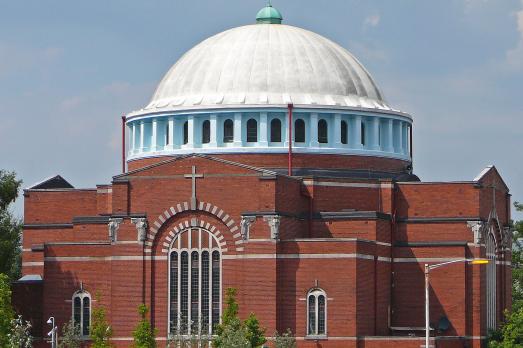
<point>71,336</point>
<point>20,335</point>
<point>144,335</point>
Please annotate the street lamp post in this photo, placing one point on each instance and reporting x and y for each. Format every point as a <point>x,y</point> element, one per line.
<point>52,333</point>
<point>428,268</point>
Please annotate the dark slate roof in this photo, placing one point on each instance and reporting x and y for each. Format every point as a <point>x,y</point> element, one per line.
<point>54,182</point>
<point>348,174</point>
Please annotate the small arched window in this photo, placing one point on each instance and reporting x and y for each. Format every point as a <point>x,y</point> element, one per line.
<point>344,132</point>
<point>252,131</point>
<point>228,131</point>
<point>276,131</point>
<point>299,131</point>
<point>206,132</point>
<point>185,132</point>
<point>363,140</point>
<point>323,137</point>
<point>317,313</point>
<point>82,311</point>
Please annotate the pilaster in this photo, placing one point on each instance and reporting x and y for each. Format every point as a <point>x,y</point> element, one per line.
<point>214,130</point>
<point>337,130</point>
<point>154,135</point>
<point>238,129</point>
<point>263,130</point>
<point>314,130</point>
<point>375,130</point>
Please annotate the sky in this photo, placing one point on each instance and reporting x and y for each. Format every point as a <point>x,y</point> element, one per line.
<point>70,69</point>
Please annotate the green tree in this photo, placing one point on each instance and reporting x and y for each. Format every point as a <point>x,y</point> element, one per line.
<point>10,227</point>
<point>71,336</point>
<point>228,333</point>
<point>284,340</point>
<point>101,331</point>
<point>144,335</point>
<point>255,334</point>
<point>517,262</point>
<point>511,334</point>
<point>6,310</point>
<point>20,336</point>
<point>234,336</point>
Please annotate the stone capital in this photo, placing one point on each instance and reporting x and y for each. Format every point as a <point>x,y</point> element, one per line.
<point>478,229</point>
<point>274,225</point>
<point>141,228</point>
<point>245,225</point>
<point>113,226</point>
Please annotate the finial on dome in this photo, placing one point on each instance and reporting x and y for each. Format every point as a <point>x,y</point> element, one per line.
<point>269,15</point>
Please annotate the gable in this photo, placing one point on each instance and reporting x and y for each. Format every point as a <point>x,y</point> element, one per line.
<point>54,182</point>
<point>182,166</point>
<point>489,175</point>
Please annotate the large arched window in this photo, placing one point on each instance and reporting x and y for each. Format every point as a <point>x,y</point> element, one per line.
<point>276,131</point>
<point>194,282</point>
<point>185,132</point>
<point>82,311</point>
<point>344,132</point>
<point>206,132</point>
<point>252,131</point>
<point>228,131</point>
<point>299,131</point>
<point>317,313</point>
<point>323,133</point>
<point>490,246</point>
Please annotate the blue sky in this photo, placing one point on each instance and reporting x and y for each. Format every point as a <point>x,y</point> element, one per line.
<point>70,69</point>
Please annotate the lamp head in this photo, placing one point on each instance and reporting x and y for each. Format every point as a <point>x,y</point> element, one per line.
<point>479,262</point>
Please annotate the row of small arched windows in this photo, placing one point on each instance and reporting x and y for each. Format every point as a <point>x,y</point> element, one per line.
<point>275,135</point>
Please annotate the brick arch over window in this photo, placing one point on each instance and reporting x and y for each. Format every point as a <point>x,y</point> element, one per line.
<point>179,208</point>
<point>196,223</point>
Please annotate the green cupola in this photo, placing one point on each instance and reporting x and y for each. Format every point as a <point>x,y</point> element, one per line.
<point>269,15</point>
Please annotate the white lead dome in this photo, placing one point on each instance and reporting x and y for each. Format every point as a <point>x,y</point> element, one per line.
<point>261,65</point>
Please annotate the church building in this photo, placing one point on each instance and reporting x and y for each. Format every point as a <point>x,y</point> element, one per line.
<point>269,161</point>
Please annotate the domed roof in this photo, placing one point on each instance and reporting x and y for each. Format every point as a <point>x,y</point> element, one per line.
<point>266,65</point>
<point>269,15</point>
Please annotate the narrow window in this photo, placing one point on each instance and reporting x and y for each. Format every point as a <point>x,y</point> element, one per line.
<point>167,131</point>
<point>228,131</point>
<point>184,312</point>
<point>82,311</point>
<point>195,269</point>
<point>185,132</point>
<point>299,131</point>
<point>321,315</point>
<point>344,131</point>
<point>86,320</point>
<point>317,313</point>
<point>312,315</point>
<point>322,132</point>
<point>363,140</point>
<point>276,131</point>
<point>206,132</point>
<point>77,311</point>
<point>205,291</point>
<point>174,291</point>
<point>215,288</point>
<point>252,131</point>
<point>491,281</point>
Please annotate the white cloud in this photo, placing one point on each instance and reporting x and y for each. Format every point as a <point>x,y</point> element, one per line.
<point>515,55</point>
<point>372,20</point>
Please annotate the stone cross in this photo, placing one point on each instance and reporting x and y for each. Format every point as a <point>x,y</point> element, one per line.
<point>193,176</point>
